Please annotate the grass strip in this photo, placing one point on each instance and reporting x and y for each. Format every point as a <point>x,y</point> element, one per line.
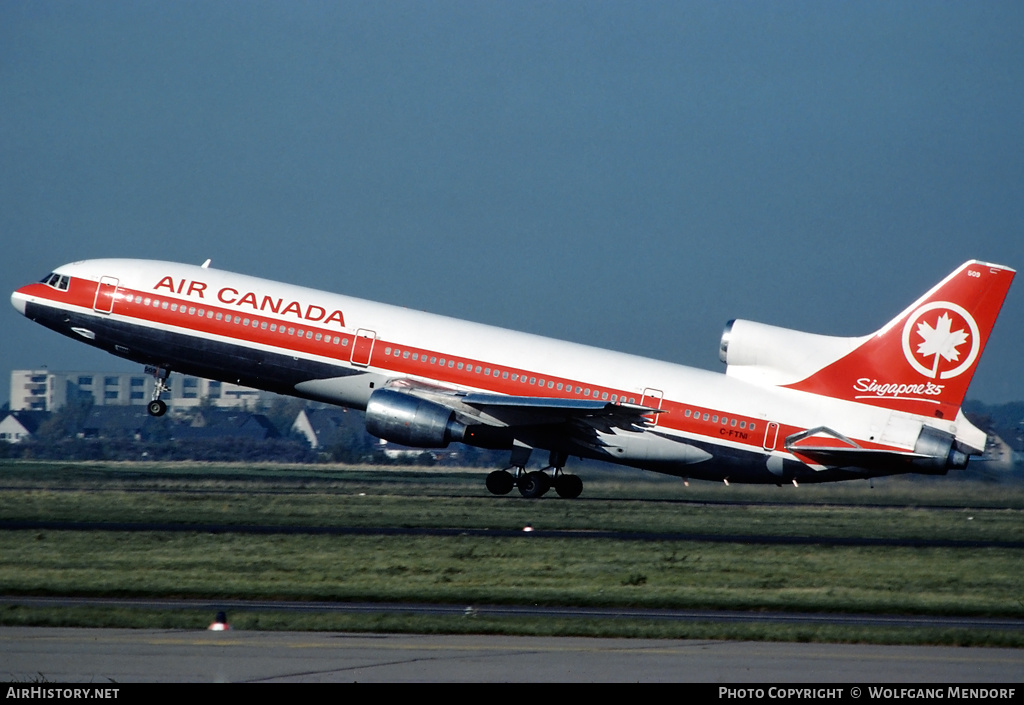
<point>471,569</point>
<point>388,506</point>
<point>126,618</point>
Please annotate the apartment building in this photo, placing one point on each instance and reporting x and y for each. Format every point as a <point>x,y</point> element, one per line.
<point>46,390</point>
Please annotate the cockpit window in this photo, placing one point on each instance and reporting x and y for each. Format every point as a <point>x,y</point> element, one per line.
<point>56,281</point>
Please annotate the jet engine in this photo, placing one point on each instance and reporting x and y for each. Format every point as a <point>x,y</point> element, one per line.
<point>941,451</point>
<point>411,421</point>
<point>764,354</point>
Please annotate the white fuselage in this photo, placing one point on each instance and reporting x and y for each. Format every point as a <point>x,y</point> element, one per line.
<point>339,349</point>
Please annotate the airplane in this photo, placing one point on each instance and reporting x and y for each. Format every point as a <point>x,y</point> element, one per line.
<point>791,406</point>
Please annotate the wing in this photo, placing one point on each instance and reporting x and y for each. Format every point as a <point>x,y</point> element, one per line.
<point>507,411</point>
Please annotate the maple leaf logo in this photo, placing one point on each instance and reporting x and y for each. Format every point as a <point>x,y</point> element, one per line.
<point>941,341</point>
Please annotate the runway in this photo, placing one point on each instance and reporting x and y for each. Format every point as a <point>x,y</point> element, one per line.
<point>99,656</point>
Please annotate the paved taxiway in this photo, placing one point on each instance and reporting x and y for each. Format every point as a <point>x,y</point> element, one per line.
<point>124,656</point>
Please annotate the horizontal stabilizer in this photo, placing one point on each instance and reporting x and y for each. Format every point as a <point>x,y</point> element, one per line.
<point>820,439</point>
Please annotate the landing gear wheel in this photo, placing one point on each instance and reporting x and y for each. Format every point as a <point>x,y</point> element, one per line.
<point>500,482</point>
<point>157,407</point>
<point>568,486</point>
<point>533,485</point>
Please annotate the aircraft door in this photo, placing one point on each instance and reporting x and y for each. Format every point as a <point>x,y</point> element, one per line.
<point>771,435</point>
<point>652,398</point>
<point>362,346</point>
<point>105,295</point>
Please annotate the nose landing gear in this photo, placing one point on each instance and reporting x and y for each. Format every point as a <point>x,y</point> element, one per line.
<point>158,407</point>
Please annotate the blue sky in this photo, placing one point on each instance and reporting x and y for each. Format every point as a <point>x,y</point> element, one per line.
<point>627,175</point>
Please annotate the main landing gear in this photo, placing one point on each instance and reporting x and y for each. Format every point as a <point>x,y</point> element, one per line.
<point>535,484</point>
<point>158,407</point>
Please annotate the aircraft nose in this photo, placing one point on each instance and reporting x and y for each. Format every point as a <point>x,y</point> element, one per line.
<point>18,301</point>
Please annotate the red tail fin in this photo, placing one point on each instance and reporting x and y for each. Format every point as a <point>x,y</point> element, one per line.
<point>922,361</point>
